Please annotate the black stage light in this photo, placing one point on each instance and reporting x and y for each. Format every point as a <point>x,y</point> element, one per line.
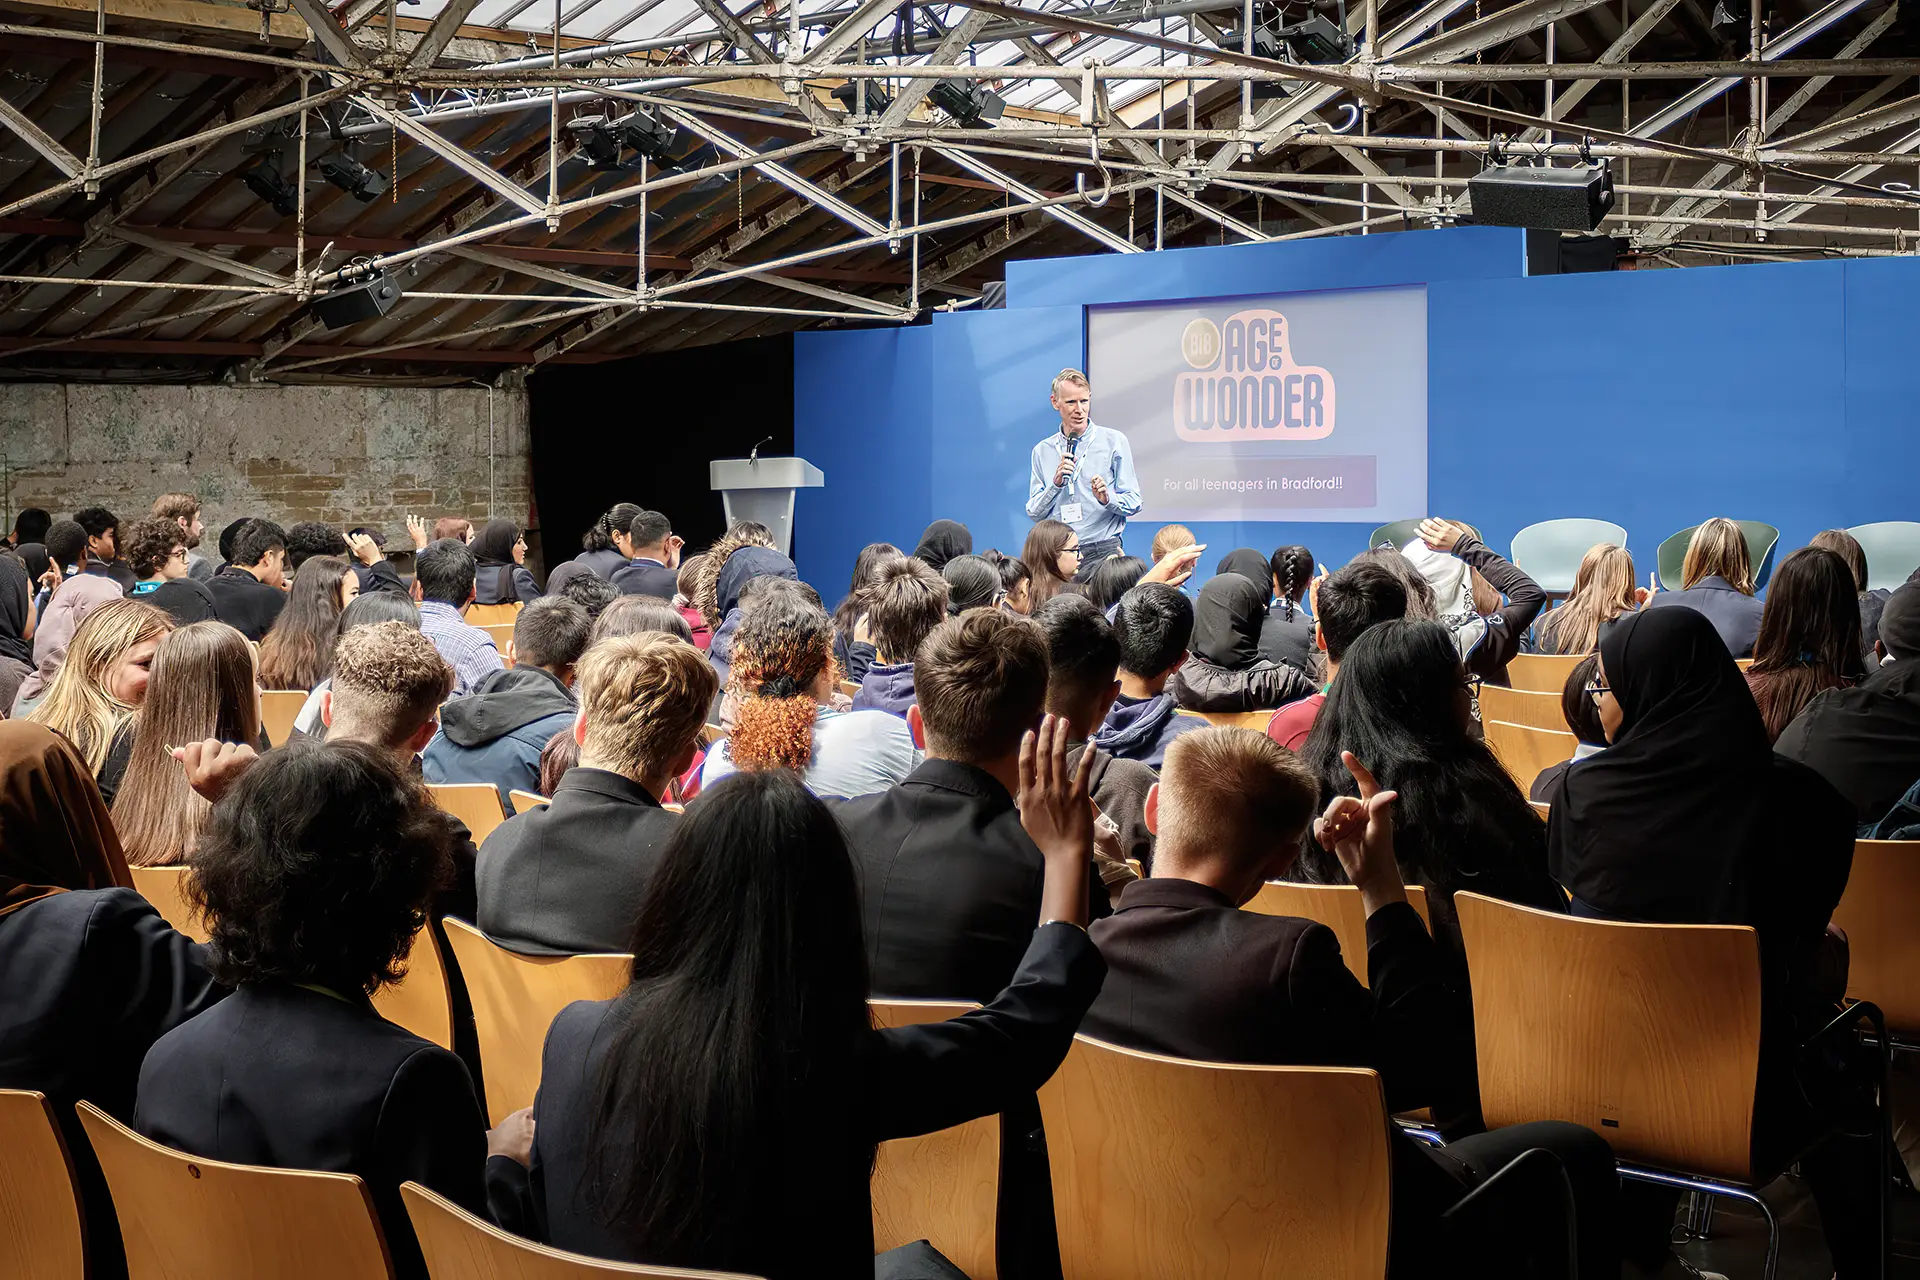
<point>1317,41</point>
<point>968,101</point>
<point>348,303</point>
<point>1731,23</point>
<point>1511,195</point>
<point>877,99</point>
<point>597,141</point>
<point>266,181</point>
<point>1266,44</point>
<point>356,179</point>
<point>649,137</point>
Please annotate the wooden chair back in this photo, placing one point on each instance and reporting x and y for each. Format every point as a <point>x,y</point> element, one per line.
<point>710,734</point>
<point>1648,1034</point>
<point>1877,911</point>
<point>502,633</point>
<point>942,1187</point>
<point>279,708</point>
<point>475,803</point>
<point>1527,752</point>
<point>526,801</point>
<point>185,1218</point>
<point>164,888</point>
<point>1336,906</point>
<point>422,1001</point>
<point>515,998</point>
<point>1522,706</point>
<point>1745,664</point>
<point>849,688</point>
<point>1540,807</point>
<point>1165,1168</point>
<point>461,1246</point>
<point>1254,720</point>
<point>493,615</point>
<point>1542,672</point>
<point>40,1218</point>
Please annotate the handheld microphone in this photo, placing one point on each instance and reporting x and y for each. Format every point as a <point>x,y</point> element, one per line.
<point>753,457</point>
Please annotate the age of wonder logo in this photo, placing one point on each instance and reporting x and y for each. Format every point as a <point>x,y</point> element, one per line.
<point>1246,385</point>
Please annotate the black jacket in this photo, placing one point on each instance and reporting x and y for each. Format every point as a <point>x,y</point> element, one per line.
<point>1286,641</point>
<point>1864,740</point>
<point>646,578</point>
<point>187,600</point>
<point>568,877</point>
<point>504,584</point>
<point>1200,685</point>
<point>91,979</point>
<point>245,603</point>
<point>295,1078</point>
<point>1508,627</point>
<point>379,576</point>
<point>949,883</point>
<point>901,1082</point>
<point>1734,614</point>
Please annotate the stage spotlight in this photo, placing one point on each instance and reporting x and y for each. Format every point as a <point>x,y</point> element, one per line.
<point>969,102</point>
<point>1731,22</point>
<point>356,179</point>
<point>1316,41</point>
<point>266,181</point>
<point>1266,44</point>
<point>367,298</point>
<point>597,141</point>
<point>649,137</point>
<point>1511,195</point>
<point>877,99</point>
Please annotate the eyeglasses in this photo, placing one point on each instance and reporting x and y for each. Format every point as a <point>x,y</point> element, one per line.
<point>1472,683</point>
<point>1073,550</point>
<point>1595,688</point>
<point>178,553</point>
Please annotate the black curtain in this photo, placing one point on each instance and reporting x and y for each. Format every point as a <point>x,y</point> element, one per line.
<point>644,429</point>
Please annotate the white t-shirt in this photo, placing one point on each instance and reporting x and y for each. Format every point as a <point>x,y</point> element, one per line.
<point>855,753</point>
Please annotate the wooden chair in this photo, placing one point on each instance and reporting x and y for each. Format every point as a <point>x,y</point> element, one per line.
<point>849,687</point>
<point>1744,664</point>
<point>1336,906</point>
<point>1522,706</point>
<point>526,801</point>
<point>460,1246</point>
<point>185,1218</point>
<point>279,708</point>
<point>492,615</point>
<point>1542,672</point>
<point>1877,911</point>
<point>1540,807</point>
<point>941,1187</point>
<point>515,998</point>
<point>422,1001</point>
<point>1527,751</point>
<point>1648,1034</point>
<point>502,633</point>
<point>164,888</point>
<point>1167,1168</point>
<point>475,803</point>
<point>1254,720</point>
<point>40,1217</point>
<point>711,734</point>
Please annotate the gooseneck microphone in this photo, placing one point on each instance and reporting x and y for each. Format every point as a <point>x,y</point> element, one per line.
<point>753,457</point>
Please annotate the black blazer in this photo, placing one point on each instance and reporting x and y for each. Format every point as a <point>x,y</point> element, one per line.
<point>1288,642</point>
<point>901,1082</point>
<point>296,1078</point>
<point>646,578</point>
<point>568,877</point>
<point>949,883</point>
<point>1734,614</point>
<point>92,978</point>
<point>245,603</point>
<point>504,584</point>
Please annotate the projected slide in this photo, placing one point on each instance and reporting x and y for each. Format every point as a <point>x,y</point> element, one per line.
<point>1302,406</point>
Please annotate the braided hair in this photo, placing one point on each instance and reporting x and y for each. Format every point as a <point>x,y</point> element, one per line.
<point>1292,568</point>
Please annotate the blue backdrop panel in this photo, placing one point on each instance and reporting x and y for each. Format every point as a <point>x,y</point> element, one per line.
<point>1882,447</point>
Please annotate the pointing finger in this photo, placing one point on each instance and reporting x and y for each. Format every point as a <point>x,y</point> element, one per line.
<point>1368,786</point>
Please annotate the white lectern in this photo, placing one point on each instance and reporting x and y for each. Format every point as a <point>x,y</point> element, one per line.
<point>762,489</point>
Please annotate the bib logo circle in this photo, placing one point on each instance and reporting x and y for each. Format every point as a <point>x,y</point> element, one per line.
<point>1200,343</point>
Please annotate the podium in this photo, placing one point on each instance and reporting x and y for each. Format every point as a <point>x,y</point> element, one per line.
<point>762,490</point>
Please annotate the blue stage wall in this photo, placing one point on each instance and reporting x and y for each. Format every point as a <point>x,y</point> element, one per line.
<point>1786,393</point>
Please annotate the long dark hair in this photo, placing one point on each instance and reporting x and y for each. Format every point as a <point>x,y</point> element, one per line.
<point>1460,822</point>
<point>599,535</point>
<point>1042,556</point>
<point>1809,637</point>
<point>866,571</point>
<point>729,1052</point>
<point>1113,578</point>
<point>1292,568</point>
<point>298,651</point>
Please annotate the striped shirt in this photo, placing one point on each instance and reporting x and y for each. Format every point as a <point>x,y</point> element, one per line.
<point>467,649</point>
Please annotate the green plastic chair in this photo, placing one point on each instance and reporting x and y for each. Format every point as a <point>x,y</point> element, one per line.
<point>1893,551</point>
<point>1401,532</point>
<point>1550,552</point>
<point>1761,540</point>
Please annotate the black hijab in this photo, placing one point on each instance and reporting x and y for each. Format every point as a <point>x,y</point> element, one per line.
<point>943,540</point>
<point>16,599</point>
<point>1226,621</point>
<point>494,543</point>
<point>1249,564</point>
<point>34,556</point>
<point>1664,824</point>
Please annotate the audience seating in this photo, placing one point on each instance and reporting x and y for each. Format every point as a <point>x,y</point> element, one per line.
<point>515,998</point>
<point>1164,1167</point>
<point>186,1218</point>
<point>164,888</point>
<point>279,708</point>
<point>502,633</point>
<point>1401,532</point>
<point>491,615</point>
<point>942,1187</point>
<point>422,1001</point>
<point>1336,906</point>
<point>475,803</point>
<point>1893,549</point>
<point>1761,540</point>
<point>1551,551</point>
<point>1254,720</point>
<point>459,1246</point>
<point>1522,706</point>
<point>1540,807</point>
<point>1542,672</point>
<point>1877,911</point>
<point>526,801</point>
<point>39,1210</point>
<point>711,733</point>
<point>1647,1034</point>
<point>1527,751</point>
<point>849,687</point>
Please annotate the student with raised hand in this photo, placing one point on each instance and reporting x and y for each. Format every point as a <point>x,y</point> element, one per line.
<point>1485,603</point>
<point>1346,603</point>
<point>743,1043</point>
<point>298,652</point>
<point>1225,671</point>
<point>1153,623</point>
<point>853,653</point>
<point>315,874</point>
<point>1193,976</point>
<point>1603,589</point>
<point>1716,579</point>
<point>1809,638</point>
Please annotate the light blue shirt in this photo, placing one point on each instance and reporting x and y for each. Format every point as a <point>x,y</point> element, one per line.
<point>1103,452</point>
<point>855,753</point>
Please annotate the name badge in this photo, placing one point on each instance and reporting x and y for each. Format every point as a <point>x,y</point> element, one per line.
<point>1070,514</point>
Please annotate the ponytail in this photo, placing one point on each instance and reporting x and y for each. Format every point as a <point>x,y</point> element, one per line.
<point>783,646</point>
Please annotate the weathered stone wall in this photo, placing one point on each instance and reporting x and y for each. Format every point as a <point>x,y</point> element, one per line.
<point>345,455</point>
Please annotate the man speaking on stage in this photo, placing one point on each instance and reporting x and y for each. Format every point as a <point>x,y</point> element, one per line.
<point>1083,475</point>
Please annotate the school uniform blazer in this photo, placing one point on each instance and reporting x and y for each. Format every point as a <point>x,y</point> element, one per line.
<point>646,578</point>
<point>1734,614</point>
<point>297,1078</point>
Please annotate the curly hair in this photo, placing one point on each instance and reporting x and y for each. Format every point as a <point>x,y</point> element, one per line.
<point>319,867</point>
<point>388,680</point>
<point>782,648</point>
<point>706,587</point>
<point>150,545</point>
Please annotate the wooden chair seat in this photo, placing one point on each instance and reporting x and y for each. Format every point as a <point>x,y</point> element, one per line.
<point>1877,911</point>
<point>186,1218</point>
<point>710,734</point>
<point>1254,720</point>
<point>1336,906</point>
<point>1542,672</point>
<point>849,687</point>
<point>526,801</point>
<point>502,633</point>
<point>1527,752</point>
<point>164,888</point>
<point>515,998</point>
<point>279,708</point>
<point>42,1233</point>
<point>492,615</point>
<point>422,1001</point>
<point>475,803</point>
<point>1522,706</point>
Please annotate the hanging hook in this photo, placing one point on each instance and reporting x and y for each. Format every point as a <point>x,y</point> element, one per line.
<point>1353,118</point>
<point>1106,178</point>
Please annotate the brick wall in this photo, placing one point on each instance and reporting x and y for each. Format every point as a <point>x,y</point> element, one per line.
<point>345,455</point>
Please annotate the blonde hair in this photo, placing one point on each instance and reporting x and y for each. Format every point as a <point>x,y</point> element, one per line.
<point>1232,791</point>
<point>79,706</point>
<point>388,680</point>
<point>1602,590</point>
<point>1070,377</point>
<point>1718,549</point>
<point>1169,538</point>
<point>202,687</point>
<point>706,587</point>
<point>645,698</point>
